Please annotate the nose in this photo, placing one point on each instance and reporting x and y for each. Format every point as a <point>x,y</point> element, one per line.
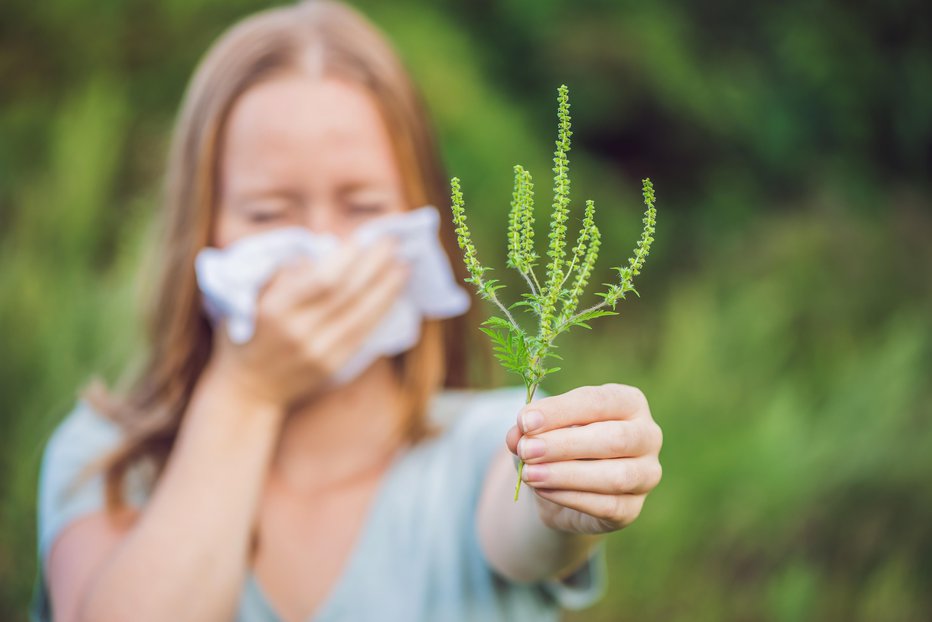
<point>323,218</point>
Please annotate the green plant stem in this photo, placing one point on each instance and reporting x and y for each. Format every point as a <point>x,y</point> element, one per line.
<point>529,282</point>
<point>534,276</point>
<point>569,271</point>
<point>531,389</point>
<point>520,471</point>
<point>570,320</point>
<point>504,310</point>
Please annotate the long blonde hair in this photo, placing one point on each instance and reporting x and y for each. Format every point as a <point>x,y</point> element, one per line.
<point>179,336</point>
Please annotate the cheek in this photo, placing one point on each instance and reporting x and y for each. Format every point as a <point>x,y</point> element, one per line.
<point>228,229</point>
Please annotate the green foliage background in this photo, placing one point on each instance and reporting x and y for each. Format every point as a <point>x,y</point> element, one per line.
<point>784,336</point>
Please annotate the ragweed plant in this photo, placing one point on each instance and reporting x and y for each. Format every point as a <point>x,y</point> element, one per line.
<point>554,301</point>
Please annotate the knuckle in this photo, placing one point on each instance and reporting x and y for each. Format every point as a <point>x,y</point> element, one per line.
<point>324,284</point>
<point>618,512</point>
<point>635,397</point>
<point>626,509</point>
<point>313,351</point>
<point>613,509</point>
<point>622,479</point>
<point>656,435</point>
<point>324,281</point>
<point>656,474</point>
<point>635,505</point>
<point>269,306</point>
<point>618,439</point>
<point>600,399</point>
<point>289,332</point>
<point>564,445</point>
<point>638,506</point>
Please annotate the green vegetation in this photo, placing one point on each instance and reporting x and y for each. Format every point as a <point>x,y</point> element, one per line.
<point>783,338</point>
<point>518,350</point>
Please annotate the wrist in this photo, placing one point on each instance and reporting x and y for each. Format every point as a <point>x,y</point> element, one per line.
<point>229,386</point>
<point>572,550</point>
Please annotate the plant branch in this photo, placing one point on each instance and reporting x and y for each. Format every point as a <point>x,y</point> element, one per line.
<point>536,282</point>
<point>529,282</point>
<point>521,352</point>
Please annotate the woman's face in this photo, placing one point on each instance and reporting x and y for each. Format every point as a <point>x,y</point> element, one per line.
<point>305,152</point>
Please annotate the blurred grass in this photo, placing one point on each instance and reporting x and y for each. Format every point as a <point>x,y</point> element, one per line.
<point>797,434</point>
<point>784,336</point>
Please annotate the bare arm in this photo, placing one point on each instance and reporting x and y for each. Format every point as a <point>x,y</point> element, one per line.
<point>517,543</point>
<point>185,557</point>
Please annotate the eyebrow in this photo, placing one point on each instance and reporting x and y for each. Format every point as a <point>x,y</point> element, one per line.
<point>248,197</point>
<point>354,186</point>
<point>296,197</point>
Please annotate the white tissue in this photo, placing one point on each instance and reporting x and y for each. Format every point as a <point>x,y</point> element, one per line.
<point>231,278</point>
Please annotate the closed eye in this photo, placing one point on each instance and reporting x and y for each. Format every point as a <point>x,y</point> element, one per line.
<point>262,217</point>
<point>366,209</point>
<point>269,207</point>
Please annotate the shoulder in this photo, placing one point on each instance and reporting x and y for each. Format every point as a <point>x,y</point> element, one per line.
<point>66,489</point>
<point>81,435</point>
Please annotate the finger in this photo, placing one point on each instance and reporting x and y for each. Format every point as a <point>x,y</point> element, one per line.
<point>581,406</point>
<point>602,439</point>
<point>308,280</point>
<point>360,319</point>
<point>323,290</point>
<point>512,437</point>
<point>303,279</point>
<point>613,477</point>
<point>369,266</point>
<point>617,510</point>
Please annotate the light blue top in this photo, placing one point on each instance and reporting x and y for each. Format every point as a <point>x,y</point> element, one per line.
<point>417,557</point>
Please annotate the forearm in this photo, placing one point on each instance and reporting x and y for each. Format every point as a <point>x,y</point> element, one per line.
<point>186,556</point>
<point>515,540</point>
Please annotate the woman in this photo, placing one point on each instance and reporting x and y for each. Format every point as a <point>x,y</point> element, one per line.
<point>231,480</point>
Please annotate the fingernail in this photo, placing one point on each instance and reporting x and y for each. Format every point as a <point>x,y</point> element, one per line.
<point>534,472</point>
<point>531,420</point>
<point>529,448</point>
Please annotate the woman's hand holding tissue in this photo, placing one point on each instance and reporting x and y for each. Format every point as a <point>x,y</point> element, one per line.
<point>310,319</point>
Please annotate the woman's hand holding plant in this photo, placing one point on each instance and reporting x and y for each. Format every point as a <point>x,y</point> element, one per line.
<point>591,456</point>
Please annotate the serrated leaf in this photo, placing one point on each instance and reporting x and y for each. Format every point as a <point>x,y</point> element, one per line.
<point>498,321</point>
<point>590,315</point>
